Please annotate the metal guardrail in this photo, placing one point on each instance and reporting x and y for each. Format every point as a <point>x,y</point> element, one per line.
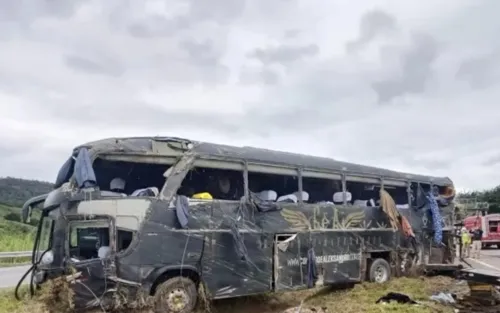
<point>15,254</point>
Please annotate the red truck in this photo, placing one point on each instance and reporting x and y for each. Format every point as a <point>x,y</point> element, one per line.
<point>490,225</point>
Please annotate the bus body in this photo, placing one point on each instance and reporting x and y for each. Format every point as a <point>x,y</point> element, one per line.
<point>236,220</point>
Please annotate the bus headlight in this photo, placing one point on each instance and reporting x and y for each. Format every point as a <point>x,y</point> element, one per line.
<point>47,258</point>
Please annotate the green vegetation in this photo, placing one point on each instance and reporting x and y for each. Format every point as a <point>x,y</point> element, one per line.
<point>14,235</point>
<point>489,196</point>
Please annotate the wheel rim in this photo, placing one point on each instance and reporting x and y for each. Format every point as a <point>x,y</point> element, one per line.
<point>380,274</point>
<point>177,300</point>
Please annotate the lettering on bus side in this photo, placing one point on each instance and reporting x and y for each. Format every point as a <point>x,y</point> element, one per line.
<point>325,259</point>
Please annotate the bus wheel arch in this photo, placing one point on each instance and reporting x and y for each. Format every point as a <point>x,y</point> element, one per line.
<point>379,270</point>
<point>176,295</point>
<point>176,291</point>
<point>163,275</point>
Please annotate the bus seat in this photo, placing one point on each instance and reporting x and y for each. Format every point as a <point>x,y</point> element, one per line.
<point>338,197</point>
<point>103,252</point>
<point>288,198</point>
<point>267,195</point>
<point>146,192</point>
<point>305,195</point>
<point>370,203</point>
<point>360,203</point>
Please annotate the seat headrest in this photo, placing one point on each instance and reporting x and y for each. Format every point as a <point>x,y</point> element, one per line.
<point>145,192</point>
<point>338,197</point>
<point>117,183</point>
<point>267,195</point>
<point>288,198</point>
<point>305,195</point>
<point>103,252</point>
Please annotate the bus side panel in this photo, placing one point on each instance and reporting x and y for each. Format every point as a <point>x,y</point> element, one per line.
<point>337,255</point>
<point>227,272</point>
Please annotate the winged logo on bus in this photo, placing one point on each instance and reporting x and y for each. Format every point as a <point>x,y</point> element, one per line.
<point>296,219</point>
<point>353,220</point>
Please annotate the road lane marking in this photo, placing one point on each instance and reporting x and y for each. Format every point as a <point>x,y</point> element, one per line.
<point>484,264</point>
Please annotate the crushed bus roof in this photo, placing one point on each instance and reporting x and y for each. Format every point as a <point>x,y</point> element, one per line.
<point>144,145</point>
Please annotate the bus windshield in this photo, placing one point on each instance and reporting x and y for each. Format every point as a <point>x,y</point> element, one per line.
<point>45,236</point>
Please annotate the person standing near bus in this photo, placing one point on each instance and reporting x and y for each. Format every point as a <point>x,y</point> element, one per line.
<point>466,243</point>
<point>477,234</point>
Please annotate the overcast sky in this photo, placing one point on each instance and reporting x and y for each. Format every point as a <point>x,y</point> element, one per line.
<point>408,85</point>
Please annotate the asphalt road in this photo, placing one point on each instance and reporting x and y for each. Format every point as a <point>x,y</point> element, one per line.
<point>490,260</point>
<point>9,276</point>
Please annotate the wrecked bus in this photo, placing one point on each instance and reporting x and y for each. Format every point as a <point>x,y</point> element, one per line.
<point>163,217</point>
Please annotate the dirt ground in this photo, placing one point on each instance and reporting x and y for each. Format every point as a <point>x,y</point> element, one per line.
<point>360,298</point>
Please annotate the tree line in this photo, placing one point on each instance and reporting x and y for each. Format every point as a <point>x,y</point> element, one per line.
<point>15,191</point>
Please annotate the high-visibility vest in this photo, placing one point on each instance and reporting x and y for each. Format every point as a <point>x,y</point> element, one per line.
<point>466,238</point>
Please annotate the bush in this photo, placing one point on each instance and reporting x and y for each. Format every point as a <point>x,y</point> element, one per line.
<point>15,217</point>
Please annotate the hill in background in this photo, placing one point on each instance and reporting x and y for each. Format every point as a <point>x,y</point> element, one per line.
<point>14,235</point>
<point>15,191</point>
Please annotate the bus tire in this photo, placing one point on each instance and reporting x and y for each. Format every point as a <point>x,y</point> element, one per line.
<point>175,295</point>
<point>380,271</point>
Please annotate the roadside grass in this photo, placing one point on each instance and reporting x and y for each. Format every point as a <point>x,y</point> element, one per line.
<point>16,236</point>
<point>359,299</point>
<point>9,304</point>
<point>9,262</point>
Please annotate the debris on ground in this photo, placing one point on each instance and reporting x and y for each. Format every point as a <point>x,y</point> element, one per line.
<point>306,310</point>
<point>431,294</point>
<point>395,297</point>
<point>444,298</point>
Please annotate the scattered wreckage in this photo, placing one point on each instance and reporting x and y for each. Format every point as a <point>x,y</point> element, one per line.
<point>182,216</point>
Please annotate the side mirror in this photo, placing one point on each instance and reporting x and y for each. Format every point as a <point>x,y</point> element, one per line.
<point>26,214</point>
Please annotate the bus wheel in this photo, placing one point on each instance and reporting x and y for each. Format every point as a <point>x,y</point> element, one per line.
<point>380,271</point>
<point>176,295</point>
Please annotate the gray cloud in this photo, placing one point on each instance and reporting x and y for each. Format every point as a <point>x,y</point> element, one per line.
<point>373,24</point>
<point>415,69</point>
<point>207,60</point>
<point>284,54</point>
<point>492,161</point>
<point>259,76</point>
<point>26,12</point>
<point>218,11</point>
<point>291,33</point>
<point>157,26</point>
<point>251,73</point>
<point>105,67</point>
<point>480,72</point>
